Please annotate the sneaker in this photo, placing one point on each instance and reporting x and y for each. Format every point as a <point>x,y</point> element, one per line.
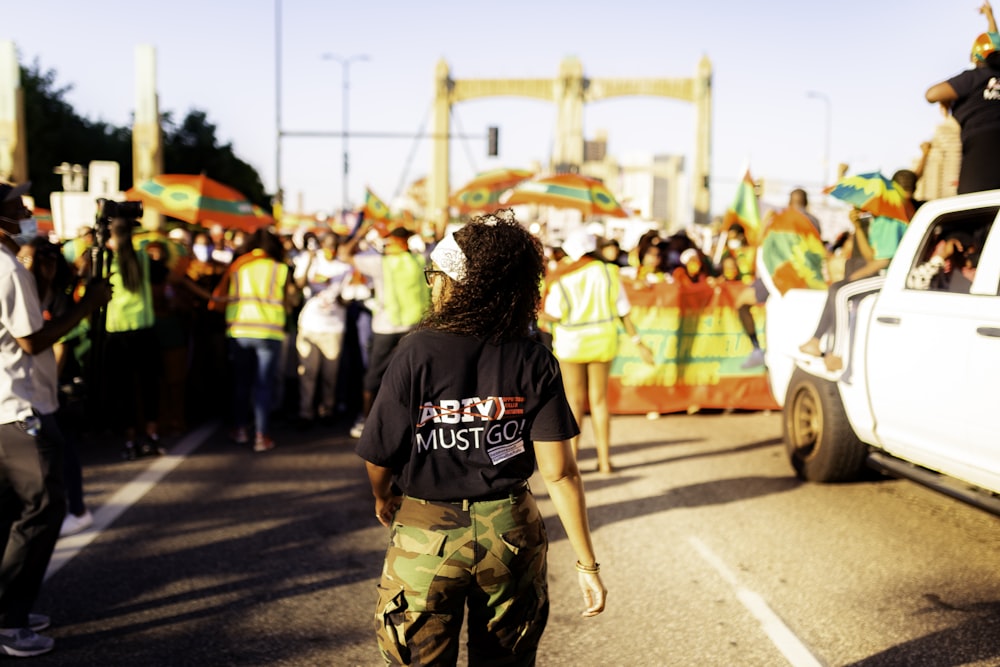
<point>263,443</point>
<point>150,448</point>
<point>755,360</point>
<point>24,642</point>
<point>239,436</point>
<point>72,525</point>
<point>129,452</point>
<point>38,622</point>
<point>358,428</point>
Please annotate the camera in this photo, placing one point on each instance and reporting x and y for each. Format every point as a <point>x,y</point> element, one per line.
<point>108,209</point>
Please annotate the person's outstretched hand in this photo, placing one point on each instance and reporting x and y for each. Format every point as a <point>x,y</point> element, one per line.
<point>594,593</point>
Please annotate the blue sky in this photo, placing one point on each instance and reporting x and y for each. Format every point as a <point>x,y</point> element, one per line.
<point>873,61</point>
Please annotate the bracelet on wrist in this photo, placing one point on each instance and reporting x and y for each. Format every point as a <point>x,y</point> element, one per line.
<point>588,569</point>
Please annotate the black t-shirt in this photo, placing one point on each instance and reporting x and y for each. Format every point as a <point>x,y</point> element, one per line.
<point>978,105</point>
<point>456,417</point>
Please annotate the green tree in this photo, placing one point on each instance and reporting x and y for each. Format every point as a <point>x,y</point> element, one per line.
<point>55,133</point>
<point>192,148</point>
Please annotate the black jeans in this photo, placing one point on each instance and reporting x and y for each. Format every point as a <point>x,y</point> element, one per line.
<point>32,508</point>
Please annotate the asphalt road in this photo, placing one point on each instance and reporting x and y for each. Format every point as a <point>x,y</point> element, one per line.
<point>713,554</point>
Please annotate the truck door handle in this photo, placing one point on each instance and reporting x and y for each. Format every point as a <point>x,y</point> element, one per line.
<point>887,320</point>
<point>990,332</point>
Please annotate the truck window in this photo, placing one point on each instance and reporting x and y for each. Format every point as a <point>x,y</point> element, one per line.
<point>949,254</point>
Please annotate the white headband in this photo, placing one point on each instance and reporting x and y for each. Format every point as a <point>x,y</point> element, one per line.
<point>450,258</point>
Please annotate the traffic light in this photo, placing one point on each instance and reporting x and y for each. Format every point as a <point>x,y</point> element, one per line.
<point>493,141</point>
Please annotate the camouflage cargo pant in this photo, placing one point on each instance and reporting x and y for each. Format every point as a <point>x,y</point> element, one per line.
<point>442,557</point>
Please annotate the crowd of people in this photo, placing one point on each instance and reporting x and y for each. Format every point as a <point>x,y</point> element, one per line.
<point>414,343</point>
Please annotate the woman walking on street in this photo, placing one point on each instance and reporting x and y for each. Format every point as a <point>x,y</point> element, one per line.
<point>258,292</point>
<point>585,303</point>
<point>468,405</point>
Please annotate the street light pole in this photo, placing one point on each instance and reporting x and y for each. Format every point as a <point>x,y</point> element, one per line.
<point>345,63</point>
<point>829,122</point>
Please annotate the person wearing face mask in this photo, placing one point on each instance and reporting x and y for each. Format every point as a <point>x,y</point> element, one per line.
<point>741,258</point>
<point>201,247</point>
<point>320,334</point>
<point>31,442</point>
<point>209,375</point>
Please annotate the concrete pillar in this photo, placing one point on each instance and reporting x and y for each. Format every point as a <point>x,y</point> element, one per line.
<point>147,143</point>
<point>147,136</point>
<point>568,91</point>
<point>13,135</point>
<point>438,180</point>
<point>701,194</point>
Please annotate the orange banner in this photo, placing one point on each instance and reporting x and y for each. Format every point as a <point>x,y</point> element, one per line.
<point>699,347</point>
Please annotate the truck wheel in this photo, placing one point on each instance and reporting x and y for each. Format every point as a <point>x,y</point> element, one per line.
<point>820,442</point>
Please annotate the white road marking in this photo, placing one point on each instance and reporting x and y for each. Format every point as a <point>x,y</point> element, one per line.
<point>68,547</point>
<point>781,636</point>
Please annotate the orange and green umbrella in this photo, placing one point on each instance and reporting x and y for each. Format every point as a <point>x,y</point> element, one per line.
<point>874,193</point>
<point>200,200</point>
<point>573,191</point>
<point>482,194</point>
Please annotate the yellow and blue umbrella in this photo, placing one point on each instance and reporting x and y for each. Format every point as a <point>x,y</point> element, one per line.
<point>874,193</point>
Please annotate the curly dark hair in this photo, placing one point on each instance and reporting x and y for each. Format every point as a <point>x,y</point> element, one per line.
<point>499,297</point>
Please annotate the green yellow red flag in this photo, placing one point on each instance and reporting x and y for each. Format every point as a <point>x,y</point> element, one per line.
<point>745,210</point>
<point>793,253</point>
<point>375,208</point>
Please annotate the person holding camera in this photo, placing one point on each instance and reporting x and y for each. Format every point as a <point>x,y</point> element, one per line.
<point>132,359</point>
<point>31,443</point>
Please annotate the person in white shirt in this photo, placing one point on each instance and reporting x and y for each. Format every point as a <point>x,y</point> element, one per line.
<point>319,340</point>
<point>31,444</point>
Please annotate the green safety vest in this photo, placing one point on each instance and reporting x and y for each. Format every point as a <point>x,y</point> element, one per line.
<point>130,311</point>
<point>588,330</point>
<point>256,307</point>
<point>405,292</point>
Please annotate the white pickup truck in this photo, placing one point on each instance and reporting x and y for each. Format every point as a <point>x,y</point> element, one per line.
<point>919,392</point>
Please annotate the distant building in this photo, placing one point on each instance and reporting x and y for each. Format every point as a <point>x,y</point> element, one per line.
<point>651,187</point>
<point>940,177</point>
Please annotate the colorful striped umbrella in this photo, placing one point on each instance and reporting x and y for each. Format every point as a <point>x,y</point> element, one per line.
<point>482,194</point>
<point>582,193</point>
<point>200,200</point>
<point>793,252</point>
<point>874,193</point>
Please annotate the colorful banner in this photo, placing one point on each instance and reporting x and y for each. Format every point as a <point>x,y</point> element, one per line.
<point>699,347</point>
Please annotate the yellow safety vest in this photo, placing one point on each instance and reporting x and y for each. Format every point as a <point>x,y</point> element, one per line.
<point>405,292</point>
<point>588,330</point>
<point>130,311</point>
<point>256,307</point>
